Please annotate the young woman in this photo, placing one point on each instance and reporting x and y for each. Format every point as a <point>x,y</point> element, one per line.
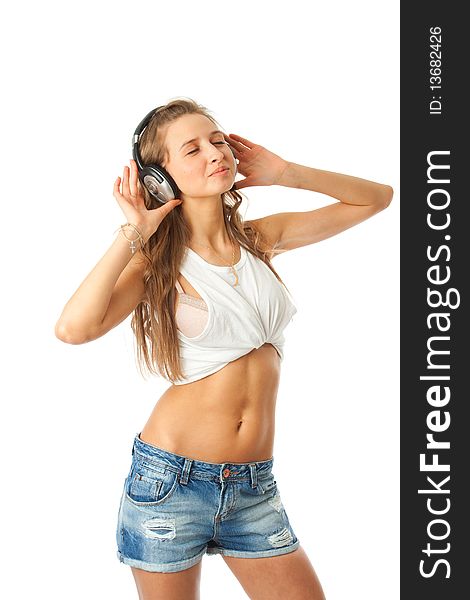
<point>209,312</point>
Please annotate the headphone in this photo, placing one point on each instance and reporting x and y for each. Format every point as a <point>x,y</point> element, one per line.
<point>159,183</point>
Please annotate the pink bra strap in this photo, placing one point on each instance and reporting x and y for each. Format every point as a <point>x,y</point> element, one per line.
<point>179,287</point>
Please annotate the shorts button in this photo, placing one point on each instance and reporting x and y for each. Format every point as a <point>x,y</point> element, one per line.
<point>226,472</point>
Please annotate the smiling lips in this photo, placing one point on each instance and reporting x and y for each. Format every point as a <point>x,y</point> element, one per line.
<point>219,170</point>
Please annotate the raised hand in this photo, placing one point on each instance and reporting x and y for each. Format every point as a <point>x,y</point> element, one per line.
<point>131,201</point>
<point>256,163</point>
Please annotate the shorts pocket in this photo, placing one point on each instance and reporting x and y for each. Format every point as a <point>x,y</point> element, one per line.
<point>150,486</point>
<point>267,484</point>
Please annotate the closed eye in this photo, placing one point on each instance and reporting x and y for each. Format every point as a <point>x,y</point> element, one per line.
<point>196,149</point>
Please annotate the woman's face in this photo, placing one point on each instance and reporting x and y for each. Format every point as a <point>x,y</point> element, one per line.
<point>196,149</point>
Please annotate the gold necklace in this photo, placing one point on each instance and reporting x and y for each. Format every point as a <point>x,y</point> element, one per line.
<point>232,267</point>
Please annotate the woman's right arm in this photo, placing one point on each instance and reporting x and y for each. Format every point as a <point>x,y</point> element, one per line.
<point>105,297</point>
<point>115,286</point>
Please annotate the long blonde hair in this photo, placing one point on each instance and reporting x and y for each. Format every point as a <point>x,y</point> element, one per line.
<point>153,320</point>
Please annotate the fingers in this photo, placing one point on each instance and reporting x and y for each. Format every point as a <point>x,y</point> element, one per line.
<point>131,195</point>
<point>130,186</point>
<point>129,181</point>
<point>116,188</point>
<point>125,183</point>
<point>233,144</point>
<point>171,204</point>
<point>133,180</point>
<point>168,207</point>
<point>117,193</point>
<point>123,197</point>
<point>238,140</point>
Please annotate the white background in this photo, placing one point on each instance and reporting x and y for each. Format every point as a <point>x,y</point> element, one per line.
<point>315,82</point>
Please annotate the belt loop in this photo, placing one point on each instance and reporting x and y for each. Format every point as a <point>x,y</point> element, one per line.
<point>185,472</point>
<point>136,437</point>
<point>254,475</point>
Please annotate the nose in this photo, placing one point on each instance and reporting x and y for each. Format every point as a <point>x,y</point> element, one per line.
<point>215,153</point>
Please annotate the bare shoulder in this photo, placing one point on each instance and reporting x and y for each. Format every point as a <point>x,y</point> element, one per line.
<point>289,230</point>
<point>268,228</point>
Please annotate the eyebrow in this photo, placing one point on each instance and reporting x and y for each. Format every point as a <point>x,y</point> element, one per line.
<point>194,139</point>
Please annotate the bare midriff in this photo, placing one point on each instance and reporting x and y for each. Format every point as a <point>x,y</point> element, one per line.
<point>228,416</point>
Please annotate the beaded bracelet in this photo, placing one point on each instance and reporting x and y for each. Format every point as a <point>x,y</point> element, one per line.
<point>132,242</point>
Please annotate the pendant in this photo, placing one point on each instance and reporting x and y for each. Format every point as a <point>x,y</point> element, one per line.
<point>236,276</point>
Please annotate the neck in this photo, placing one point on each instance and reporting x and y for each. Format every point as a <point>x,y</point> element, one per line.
<point>207,227</point>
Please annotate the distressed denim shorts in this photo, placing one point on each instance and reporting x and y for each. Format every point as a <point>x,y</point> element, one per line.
<point>174,509</point>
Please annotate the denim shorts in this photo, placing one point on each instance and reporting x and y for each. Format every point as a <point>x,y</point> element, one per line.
<point>175,509</point>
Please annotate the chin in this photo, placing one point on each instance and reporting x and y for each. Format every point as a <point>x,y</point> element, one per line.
<point>230,187</point>
<point>227,187</point>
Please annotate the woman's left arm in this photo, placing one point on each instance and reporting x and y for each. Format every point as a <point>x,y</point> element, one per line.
<point>358,198</point>
<point>345,188</point>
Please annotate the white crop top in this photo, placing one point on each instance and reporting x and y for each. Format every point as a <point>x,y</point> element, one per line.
<point>238,318</point>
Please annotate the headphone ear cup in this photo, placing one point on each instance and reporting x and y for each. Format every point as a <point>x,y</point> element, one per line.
<point>159,183</point>
<point>154,178</point>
